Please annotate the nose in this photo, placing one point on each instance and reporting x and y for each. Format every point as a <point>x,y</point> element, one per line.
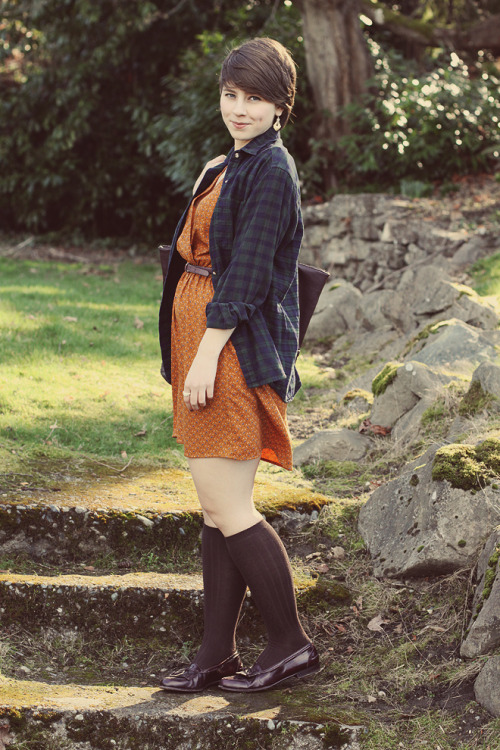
<point>240,108</point>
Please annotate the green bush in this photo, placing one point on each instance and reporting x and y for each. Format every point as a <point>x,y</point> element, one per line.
<point>412,128</point>
<point>81,86</point>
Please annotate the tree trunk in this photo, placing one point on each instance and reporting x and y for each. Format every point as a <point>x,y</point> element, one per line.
<point>338,62</point>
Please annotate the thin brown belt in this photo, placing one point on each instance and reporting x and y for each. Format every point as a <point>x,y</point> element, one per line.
<point>201,270</point>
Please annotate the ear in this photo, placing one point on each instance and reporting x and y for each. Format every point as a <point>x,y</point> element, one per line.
<point>279,111</point>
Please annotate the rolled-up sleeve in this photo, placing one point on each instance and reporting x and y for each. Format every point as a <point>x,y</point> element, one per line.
<point>266,221</point>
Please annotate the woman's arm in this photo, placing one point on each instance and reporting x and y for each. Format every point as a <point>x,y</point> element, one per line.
<point>199,383</point>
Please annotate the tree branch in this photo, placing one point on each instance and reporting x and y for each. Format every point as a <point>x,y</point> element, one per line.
<point>484,34</point>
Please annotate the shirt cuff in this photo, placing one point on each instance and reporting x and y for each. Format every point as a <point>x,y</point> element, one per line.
<point>228,314</point>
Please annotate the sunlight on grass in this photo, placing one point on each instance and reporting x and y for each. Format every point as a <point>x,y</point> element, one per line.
<point>80,360</point>
<point>486,275</point>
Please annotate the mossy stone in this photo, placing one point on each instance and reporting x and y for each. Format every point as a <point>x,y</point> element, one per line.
<point>475,400</point>
<point>385,377</point>
<point>358,393</point>
<point>468,467</point>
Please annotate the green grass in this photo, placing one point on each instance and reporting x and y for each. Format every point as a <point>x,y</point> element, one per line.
<point>79,359</point>
<point>79,365</point>
<point>486,275</point>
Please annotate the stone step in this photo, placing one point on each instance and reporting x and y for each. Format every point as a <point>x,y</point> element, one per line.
<point>80,717</point>
<point>116,605</point>
<point>157,511</point>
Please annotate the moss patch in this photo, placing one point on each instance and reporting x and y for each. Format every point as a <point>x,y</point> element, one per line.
<point>429,330</point>
<point>325,594</point>
<point>468,467</point>
<point>475,400</point>
<point>358,393</point>
<point>385,378</point>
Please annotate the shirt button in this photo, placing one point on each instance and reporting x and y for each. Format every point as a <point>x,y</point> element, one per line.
<point>236,156</point>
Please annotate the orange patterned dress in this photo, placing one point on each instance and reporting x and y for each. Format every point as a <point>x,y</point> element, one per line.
<point>239,422</point>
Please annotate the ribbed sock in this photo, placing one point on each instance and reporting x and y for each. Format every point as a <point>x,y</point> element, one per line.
<point>223,594</point>
<point>262,560</point>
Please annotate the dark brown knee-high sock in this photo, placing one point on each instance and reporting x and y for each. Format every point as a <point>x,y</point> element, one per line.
<point>262,560</point>
<point>223,594</point>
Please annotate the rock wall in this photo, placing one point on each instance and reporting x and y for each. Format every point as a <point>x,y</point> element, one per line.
<point>369,239</point>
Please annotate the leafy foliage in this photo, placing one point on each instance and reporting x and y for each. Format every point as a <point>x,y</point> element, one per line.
<point>109,110</point>
<point>78,98</point>
<point>413,128</point>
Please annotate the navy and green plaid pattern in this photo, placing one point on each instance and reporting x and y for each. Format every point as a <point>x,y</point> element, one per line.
<point>254,241</point>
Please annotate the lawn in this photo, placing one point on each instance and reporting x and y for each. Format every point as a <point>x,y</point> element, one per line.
<point>80,366</point>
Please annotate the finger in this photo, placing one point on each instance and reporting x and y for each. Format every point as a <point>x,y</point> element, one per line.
<point>210,391</point>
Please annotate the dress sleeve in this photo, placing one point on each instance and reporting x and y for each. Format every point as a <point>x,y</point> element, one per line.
<point>265,221</point>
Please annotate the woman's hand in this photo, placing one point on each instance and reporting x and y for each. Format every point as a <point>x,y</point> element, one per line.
<point>199,383</point>
<point>208,165</point>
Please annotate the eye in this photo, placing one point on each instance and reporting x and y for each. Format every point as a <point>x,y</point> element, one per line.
<point>229,94</point>
<point>255,98</point>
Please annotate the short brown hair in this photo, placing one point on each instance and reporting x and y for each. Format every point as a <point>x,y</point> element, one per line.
<point>264,67</point>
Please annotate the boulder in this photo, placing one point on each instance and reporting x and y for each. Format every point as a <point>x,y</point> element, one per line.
<point>476,247</point>
<point>488,375</point>
<point>487,686</point>
<point>332,445</point>
<point>412,383</point>
<point>416,525</point>
<point>484,628</point>
<point>338,310</point>
<point>415,281</point>
<point>475,311</point>
<point>455,347</point>
<point>437,297</point>
<point>386,307</point>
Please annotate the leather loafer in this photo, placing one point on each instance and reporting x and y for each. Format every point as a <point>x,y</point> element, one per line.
<point>194,679</point>
<point>300,664</point>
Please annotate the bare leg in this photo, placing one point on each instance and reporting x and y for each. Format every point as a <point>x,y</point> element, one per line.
<point>225,491</point>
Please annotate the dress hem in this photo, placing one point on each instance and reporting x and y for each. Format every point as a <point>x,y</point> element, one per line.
<point>238,458</point>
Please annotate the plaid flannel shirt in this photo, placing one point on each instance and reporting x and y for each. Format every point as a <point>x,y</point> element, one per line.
<point>254,240</point>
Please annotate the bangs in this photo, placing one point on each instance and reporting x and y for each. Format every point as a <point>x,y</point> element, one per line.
<point>238,73</point>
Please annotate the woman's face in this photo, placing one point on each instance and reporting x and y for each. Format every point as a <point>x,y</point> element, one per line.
<point>246,115</point>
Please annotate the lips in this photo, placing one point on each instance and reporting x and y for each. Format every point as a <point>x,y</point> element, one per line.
<point>239,125</point>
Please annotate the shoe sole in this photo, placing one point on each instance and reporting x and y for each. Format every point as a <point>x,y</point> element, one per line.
<point>300,675</point>
<point>184,690</point>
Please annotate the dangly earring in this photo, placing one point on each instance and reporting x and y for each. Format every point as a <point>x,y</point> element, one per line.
<point>277,124</point>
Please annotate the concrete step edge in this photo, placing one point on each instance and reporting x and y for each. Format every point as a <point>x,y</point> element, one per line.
<point>107,717</point>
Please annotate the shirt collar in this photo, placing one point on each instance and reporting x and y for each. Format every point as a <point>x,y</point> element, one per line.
<point>257,144</point>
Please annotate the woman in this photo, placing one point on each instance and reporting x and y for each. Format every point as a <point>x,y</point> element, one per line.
<point>229,339</point>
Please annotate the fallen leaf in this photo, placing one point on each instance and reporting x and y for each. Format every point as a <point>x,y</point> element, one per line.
<point>359,602</point>
<point>323,568</point>
<point>138,323</point>
<point>88,567</point>
<point>339,627</point>
<point>141,433</point>
<point>376,623</point>
<point>399,629</point>
<point>375,429</point>
<point>70,319</point>
<point>124,454</point>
